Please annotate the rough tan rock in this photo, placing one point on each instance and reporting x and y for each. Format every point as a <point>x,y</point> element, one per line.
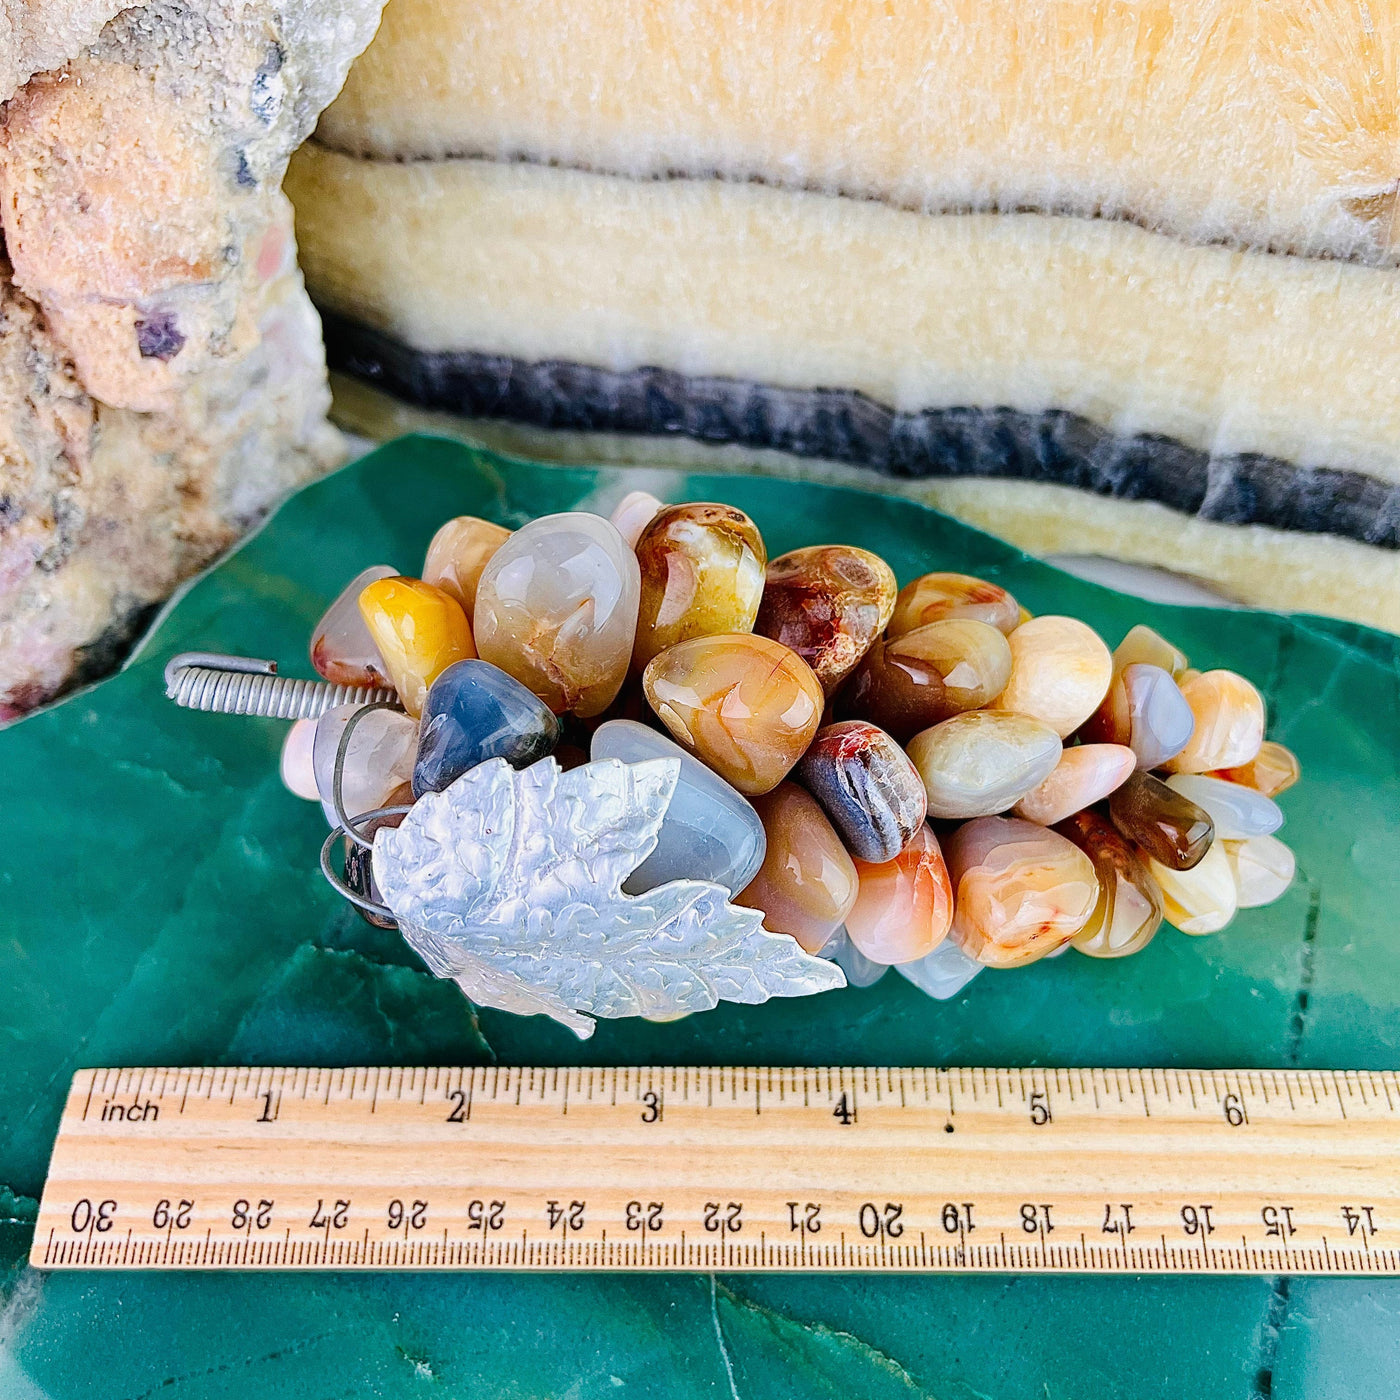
<point>161,376</point>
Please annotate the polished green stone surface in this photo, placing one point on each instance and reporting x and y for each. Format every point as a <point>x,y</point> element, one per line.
<point>159,904</point>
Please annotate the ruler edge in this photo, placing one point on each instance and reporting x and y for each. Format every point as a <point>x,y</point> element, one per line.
<point>84,1081</point>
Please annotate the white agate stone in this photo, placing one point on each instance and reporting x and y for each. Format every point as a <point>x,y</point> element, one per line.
<point>943,973</point>
<point>556,607</point>
<point>1263,868</point>
<point>1238,812</point>
<point>378,760</point>
<point>297,767</point>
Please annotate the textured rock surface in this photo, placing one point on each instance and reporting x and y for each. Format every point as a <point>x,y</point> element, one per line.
<point>163,379</point>
<point>105,959</point>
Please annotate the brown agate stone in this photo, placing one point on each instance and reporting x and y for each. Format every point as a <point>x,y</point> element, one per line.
<point>1167,826</point>
<point>1129,908</point>
<point>745,705</point>
<point>807,883</point>
<point>702,576</point>
<point>926,676</point>
<point>828,603</point>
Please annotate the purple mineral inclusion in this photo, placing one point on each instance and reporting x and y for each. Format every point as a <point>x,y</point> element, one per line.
<point>158,337</point>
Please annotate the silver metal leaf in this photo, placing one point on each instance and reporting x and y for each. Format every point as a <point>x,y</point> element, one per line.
<point>510,883</point>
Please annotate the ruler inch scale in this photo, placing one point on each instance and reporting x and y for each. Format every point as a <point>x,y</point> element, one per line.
<point>961,1170</point>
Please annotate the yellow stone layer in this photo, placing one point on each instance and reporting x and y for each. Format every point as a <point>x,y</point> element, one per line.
<point>1224,350</point>
<point>1265,568</point>
<point>1264,123</point>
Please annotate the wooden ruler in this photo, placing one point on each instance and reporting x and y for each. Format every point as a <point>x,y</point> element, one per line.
<point>960,1170</point>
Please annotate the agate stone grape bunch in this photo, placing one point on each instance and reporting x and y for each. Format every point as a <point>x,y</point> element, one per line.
<point>927,778</point>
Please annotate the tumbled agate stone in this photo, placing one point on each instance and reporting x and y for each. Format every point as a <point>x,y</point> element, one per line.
<point>342,649</point>
<point>297,766</point>
<point>1060,672</point>
<point>457,555</point>
<point>1236,811</point>
<point>983,762</point>
<point>1144,646</point>
<point>378,761</point>
<point>1169,827</point>
<point>1274,769</point>
<point>1263,868</point>
<point>933,597</point>
<point>702,575</point>
<point>710,832</point>
<point>1229,716</point>
<point>828,603</point>
<point>1145,709</point>
<point>556,608</point>
<point>1020,891</point>
<point>904,906</point>
<point>859,970</point>
<point>419,630</point>
<point>475,711</point>
<point>745,705</point>
<point>1128,911</point>
<point>867,786</point>
<point>807,883</point>
<point>1084,775</point>
<point>943,973</point>
<point>1202,899</point>
<point>927,675</point>
<point>632,514</point>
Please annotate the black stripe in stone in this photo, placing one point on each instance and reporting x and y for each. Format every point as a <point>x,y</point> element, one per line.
<point>845,426</point>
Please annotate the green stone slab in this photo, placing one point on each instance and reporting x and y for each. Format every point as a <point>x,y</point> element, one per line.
<point>159,904</point>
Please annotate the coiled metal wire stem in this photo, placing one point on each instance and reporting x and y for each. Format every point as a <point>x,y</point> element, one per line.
<point>240,685</point>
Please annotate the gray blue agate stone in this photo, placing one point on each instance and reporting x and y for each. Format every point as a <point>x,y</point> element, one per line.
<point>710,831</point>
<point>475,711</point>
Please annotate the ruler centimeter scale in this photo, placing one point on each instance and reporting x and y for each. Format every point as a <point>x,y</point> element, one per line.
<point>938,1170</point>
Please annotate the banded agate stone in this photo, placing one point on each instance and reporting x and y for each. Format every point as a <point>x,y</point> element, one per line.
<point>1020,891</point>
<point>1084,775</point>
<point>342,649</point>
<point>828,603</point>
<point>926,676</point>
<point>745,705</point>
<point>807,883</point>
<point>1143,646</point>
<point>556,607</point>
<point>709,833</point>
<point>378,761</point>
<point>1236,811</point>
<point>702,573</point>
<point>419,630</point>
<point>475,712</point>
<point>934,597</point>
<point>1229,715</point>
<point>1145,710</point>
<point>1202,899</point>
<point>1274,769</point>
<point>296,766</point>
<point>982,762</point>
<point>1263,868</point>
<point>867,786</point>
<point>1060,672</point>
<point>943,973</point>
<point>1169,827</point>
<point>859,970</point>
<point>458,555</point>
<point>904,906</point>
<point>632,514</point>
<point>1128,911</point>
